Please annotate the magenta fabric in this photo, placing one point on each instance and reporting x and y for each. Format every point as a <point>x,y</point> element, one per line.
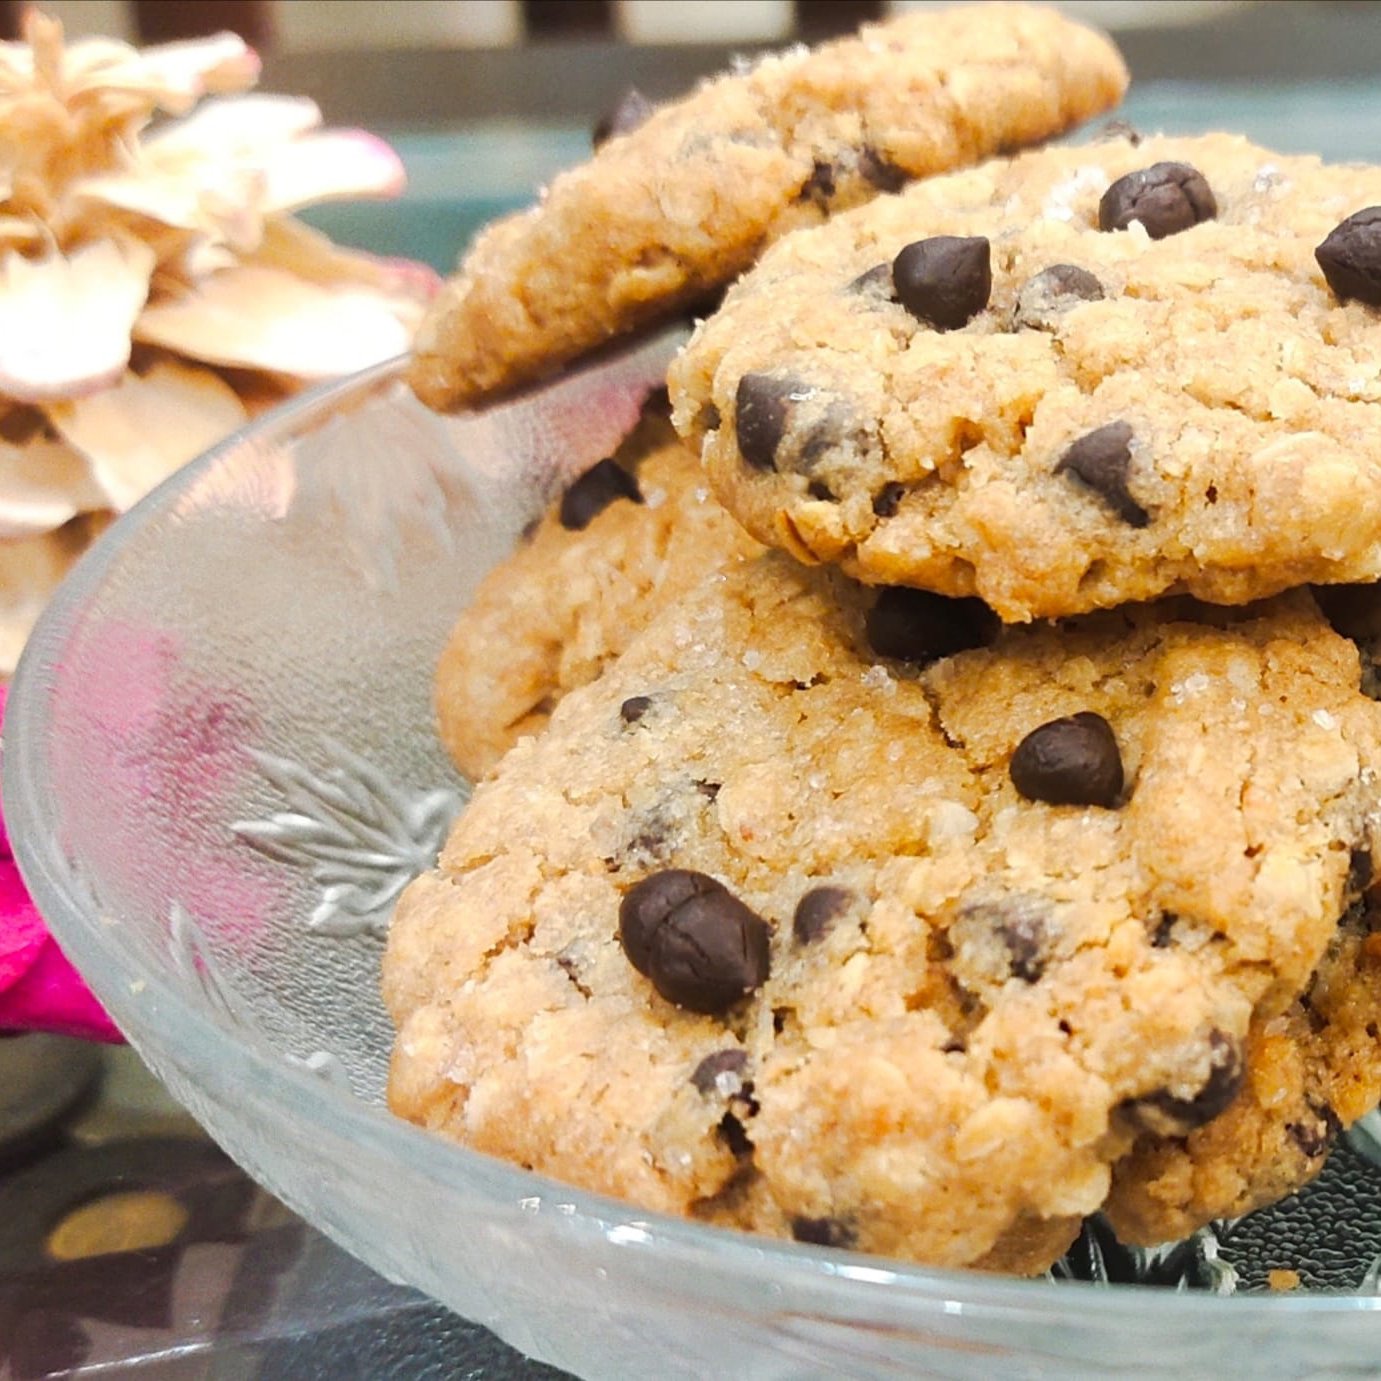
<point>39,989</point>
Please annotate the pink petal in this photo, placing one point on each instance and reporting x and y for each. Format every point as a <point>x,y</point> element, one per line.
<point>52,997</point>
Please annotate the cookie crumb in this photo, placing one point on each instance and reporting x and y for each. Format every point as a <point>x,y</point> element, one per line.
<point>1282,1280</point>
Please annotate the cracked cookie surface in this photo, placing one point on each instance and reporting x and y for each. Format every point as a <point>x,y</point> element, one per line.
<point>601,563</point>
<point>669,212</point>
<point>973,1008</point>
<point>1115,371</point>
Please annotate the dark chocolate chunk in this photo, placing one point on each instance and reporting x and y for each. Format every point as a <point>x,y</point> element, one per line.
<point>1164,931</point>
<point>1047,295</point>
<point>1101,460</point>
<point>731,1132</point>
<point>944,281</point>
<point>888,499</point>
<point>817,910</point>
<point>823,1232</point>
<point>1314,1139</point>
<point>634,708</point>
<point>594,491</point>
<point>760,411</point>
<point>1350,258</point>
<point>632,110</point>
<point>1166,198</point>
<point>707,1072</point>
<point>919,626</point>
<point>877,279</point>
<point>702,948</point>
<point>819,187</point>
<point>879,170</point>
<point>1072,761</point>
<point>1023,932</point>
<point>817,490</point>
<point>1360,871</point>
<point>1166,1115</point>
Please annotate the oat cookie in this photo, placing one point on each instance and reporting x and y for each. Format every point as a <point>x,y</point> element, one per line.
<point>625,540</point>
<point>1077,378</point>
<point>903,952</point>
<point>669,210</point>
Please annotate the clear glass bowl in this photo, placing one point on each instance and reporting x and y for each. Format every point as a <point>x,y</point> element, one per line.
<point>220,771</point>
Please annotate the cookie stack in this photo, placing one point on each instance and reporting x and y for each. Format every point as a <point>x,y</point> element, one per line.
<point>958,814</point>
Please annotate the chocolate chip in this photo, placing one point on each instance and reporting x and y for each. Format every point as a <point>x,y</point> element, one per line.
<point>944,281</point>
<point>823,1232</point>
<point>879,170</point>
<point>1024,935</point>
<point>888,499</point>
<point>731,1132</point>
<point>1101,460</point>
<point>1350,258</point>
<point>919,626</point>
<point>634,708</point>
<point>1072,761</point>
<point>877,279</point>
<point>1315,1139</point>
<point>760,411</point>
<point>817,910</point>
<point>1164,931</point>
<point>594,491</point>
<point>632,110</point>
<point>707,1072</point>
<point>1047,295</point>
<point>1166,1115</point>
<point>702,948</point>
<point>1166,198</point>
<point>819,187</point>
<point>1360,872</point>
<point>816,490</point>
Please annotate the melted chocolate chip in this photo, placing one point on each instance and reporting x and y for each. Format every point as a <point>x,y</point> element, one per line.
<point>816,490</point>
<point>701,947</point>
<point>634,708</point>
<point>879,170</point>
<point>1350,258</point>
<point>944,281</point>
<point>817,910</point>
<point>1101,460</point>
<point>1047,295</point>
<point>732,1134</point>
<point>706,1074</point>
<point>823,1232</point>
<point>877,279</point>
<point>918,626</point>
<point>760,411</point>
<point>1167,1115</point>
<point>632,110</point>
<point>1360,872</point>
<point>1314,1139</point>
<point>1072,761</point>
<point>594,491</point>
<point>888,499</point>
<point>1024,935</point>
<point>1164,931</point>
<point>1166,198</point>
<point>819,187</point>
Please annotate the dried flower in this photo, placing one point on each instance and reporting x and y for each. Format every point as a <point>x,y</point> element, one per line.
<point>146,249</point>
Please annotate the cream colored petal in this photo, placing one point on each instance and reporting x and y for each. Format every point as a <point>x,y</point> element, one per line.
<point>31,568</point>
<point>18,230</point>
<point>43,484</point>
<point>232,126</point>
<point>329,166</point>
<point>217,199</point>
<point>137,433</point>
<point>65,320</point>
<point>173,76</point>
<point>290,245</point>
<point>260,318</point>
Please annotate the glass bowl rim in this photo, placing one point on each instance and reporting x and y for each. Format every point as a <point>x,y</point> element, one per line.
<point>908,1290</point>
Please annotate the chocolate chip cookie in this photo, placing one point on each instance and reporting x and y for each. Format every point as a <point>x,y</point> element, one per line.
<point>626,539</point>
<point>855,917</point>
<point>1076,378</point>
<point>677,202</point>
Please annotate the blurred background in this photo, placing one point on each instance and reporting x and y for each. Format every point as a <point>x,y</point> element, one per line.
<point>486,99</point>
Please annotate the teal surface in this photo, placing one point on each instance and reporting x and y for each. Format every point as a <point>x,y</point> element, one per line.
<point>459,180</point>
